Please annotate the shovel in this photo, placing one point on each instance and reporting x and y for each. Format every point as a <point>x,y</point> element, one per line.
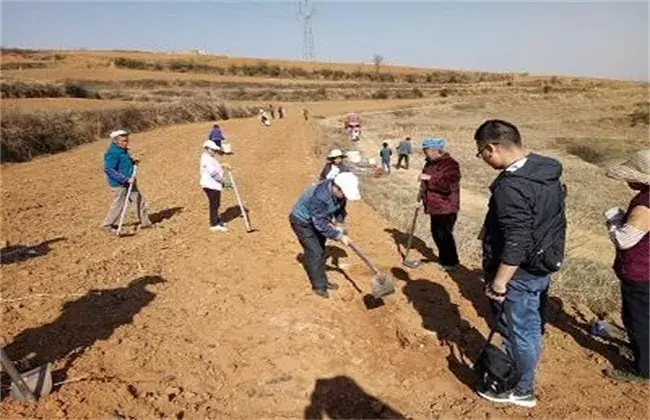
<point>126,201</point>
<point>382,284</point>
<point>29,386</point>
<point>406,262</point>
<point>241,206</point>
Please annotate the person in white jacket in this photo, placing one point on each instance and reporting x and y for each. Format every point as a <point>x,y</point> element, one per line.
<point>212,173</point>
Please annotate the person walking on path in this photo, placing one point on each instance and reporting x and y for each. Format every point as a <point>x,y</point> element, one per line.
<point>440,195</point>
<point>272,111</point>
<point>385,153</point>
<point>334,165</point>
<point>313,219</point>
<point>216,135</point>
<point>119,167</point>
<point>523,239</point>
<point>403,152</point>
<point>281,112</point>
<point>211,180</point>
<point>628,230</point>
<point>305,114</point>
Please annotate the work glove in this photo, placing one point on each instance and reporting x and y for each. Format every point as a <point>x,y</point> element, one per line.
<point>343,229</point>
<point>345,240</point>
<point>226,184</point>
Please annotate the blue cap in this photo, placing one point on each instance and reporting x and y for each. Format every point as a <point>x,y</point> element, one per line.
<point>433,143</point>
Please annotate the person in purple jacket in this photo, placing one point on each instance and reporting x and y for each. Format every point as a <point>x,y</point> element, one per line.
<point>216,135</point>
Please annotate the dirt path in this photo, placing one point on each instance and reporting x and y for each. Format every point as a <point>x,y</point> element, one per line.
<point>178,321</point>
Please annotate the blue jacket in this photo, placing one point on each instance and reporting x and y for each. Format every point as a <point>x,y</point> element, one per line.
<point>318,206</point>
<point>118,166</point>
<point>385,153</point>
<point>404,148</point>
<point>216,136</point>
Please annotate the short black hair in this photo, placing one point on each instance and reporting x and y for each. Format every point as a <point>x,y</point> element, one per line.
<point>216,126</point>
<point>498,131</point>
<point>385,144</point>
<point>408,138</point>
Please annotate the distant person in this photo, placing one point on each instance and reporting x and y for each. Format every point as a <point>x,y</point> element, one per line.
<point>305,114</point>
<point>216,135</point>
<point>628,230</point>
<point>523,244</point>
<point>272,111</point>
<point>281,112</point>
<point>211,180</point>
<point>403,152</point>
<point>264,119</point>
<point>315,218</point>
<point>385,153</point>
<point>118,167</point>
<point>335,165</point>
<point>440,194</point>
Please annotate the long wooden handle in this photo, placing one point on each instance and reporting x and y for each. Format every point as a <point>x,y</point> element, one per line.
<point>241,206</point>
<point>126,201</point>
<point>15,376</point>
<point>364,259</point>
<point>411,232</point>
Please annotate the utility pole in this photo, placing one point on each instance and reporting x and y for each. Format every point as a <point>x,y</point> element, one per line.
<point>305,15</point>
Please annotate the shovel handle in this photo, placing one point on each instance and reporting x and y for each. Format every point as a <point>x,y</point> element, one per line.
<point>364,258</point>
<point>241,206</point>
<point>15,376</point>
<point>412,231</point>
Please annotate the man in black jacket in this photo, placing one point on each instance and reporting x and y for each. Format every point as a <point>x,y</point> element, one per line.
<point>523,243</point>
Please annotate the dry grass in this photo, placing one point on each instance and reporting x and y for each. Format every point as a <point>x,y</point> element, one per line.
<point>62,104</point>
<point>586,132</point>
<point>29,134</point>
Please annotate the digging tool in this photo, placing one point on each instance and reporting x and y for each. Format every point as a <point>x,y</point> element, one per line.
<point>241,206</point>
<point>126,201</point>
<point>382,284</point>
<point>406,262</point>
<point>29,386</point>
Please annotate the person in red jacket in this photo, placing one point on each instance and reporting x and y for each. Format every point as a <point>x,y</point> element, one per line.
<point>630,232</point>
<point>440,195</point>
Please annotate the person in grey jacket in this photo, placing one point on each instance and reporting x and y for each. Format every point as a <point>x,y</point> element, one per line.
<point>403,152</point>
<point>312,220</point>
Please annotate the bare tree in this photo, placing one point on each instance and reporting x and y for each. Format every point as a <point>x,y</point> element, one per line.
<point>377,60</point>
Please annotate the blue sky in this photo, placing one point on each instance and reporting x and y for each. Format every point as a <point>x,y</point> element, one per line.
<point>585,39</point>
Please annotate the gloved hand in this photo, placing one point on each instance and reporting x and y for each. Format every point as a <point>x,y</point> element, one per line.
<point>341,228</point>
<point>226,166</point>
<point>614,216</point>
<point>226,183</point>
<point>345,240</point>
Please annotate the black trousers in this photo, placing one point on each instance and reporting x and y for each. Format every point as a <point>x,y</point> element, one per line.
<point>400,159</point>
<point>442,227</point>
<point>636,315</point>
<point>214,200</point>
<point>313,244</point>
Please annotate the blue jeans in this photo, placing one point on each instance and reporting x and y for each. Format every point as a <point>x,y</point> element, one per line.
<point>524,303</point>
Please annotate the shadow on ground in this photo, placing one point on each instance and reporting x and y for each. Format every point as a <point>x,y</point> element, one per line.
<point>83,321</point>
<point>340,397</point>
<point>16,253</point>
<point>162,215</point>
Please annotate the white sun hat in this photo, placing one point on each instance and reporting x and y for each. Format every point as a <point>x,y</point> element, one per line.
<point>636,169</point>
<point>334,153</point>
<point>349,184</point>
<point>118,133</point>
<point>209,144</point>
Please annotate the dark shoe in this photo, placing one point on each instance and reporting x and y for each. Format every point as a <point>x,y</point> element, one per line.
<point>624,375</point>
<point>523,399</point>
<point>322,293</point>
<point>332,286</point>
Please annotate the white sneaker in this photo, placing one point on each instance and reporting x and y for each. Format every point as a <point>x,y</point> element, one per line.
<point>219,228</point>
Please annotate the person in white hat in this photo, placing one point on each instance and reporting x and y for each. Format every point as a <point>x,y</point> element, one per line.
<point>335,165</point>
<point>211,180</point>
<point>629,231</point>
<point>313,219</point>
<point>119,168</point>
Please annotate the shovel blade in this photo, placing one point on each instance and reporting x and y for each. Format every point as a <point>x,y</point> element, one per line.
<point>382,285</point>
<point>38,380</point>
<point>411,263</point>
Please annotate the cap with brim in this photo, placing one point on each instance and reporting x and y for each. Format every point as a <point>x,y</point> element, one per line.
<point>433,143</point>
<point>349,184</point>
<point>335,153</point>
<point>209,144</point>
<point>118,133</point>
<point>634,170</point>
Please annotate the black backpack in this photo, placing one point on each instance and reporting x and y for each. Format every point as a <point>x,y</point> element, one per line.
<point>497,371</point>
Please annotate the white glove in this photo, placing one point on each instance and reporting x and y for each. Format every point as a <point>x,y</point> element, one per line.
<point>345,240</point>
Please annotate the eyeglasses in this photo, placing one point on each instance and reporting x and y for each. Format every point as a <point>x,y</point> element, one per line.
<point>480,152</point>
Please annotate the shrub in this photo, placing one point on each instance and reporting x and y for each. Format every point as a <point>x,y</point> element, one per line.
<point>586,153</point>
<point>28,134</point>
<point>77,90</point>
<point>444,92</point>
<point>380,94</point>
<point>131,63</point>
<point>417,93</point>
<point>411,78</point>
<point>640,116</point>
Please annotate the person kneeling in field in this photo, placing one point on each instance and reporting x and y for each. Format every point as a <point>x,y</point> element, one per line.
<point>119,168</point>
<point>212,181</point>
<point>312,221</point>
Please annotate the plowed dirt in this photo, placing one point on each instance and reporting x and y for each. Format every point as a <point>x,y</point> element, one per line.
<point>177,321</point>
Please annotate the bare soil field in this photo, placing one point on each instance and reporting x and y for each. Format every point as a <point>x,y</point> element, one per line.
<point>177,321</point>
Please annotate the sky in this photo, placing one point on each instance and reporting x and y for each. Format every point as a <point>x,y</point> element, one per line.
<point>584,39</point>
